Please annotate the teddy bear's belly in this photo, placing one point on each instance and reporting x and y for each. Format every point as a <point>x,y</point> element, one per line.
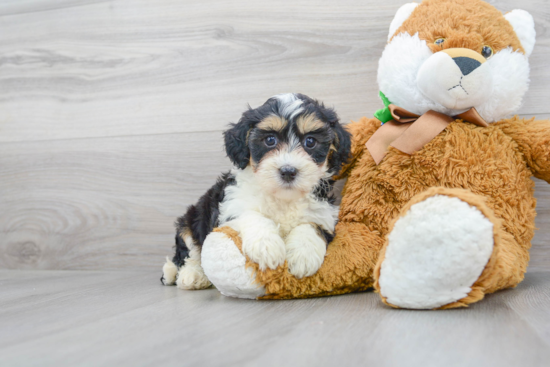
<point>482,160</point>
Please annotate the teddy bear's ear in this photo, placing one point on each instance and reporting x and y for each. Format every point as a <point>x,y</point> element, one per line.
<point>524,26</point>
<point>402,15</point>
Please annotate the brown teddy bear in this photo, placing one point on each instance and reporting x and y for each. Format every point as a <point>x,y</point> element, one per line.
<point>438,208</point>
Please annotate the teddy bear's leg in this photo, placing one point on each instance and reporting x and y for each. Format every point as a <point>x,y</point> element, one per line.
<point>347,267</point>
<point>446,249</point>
<point>224,265</point>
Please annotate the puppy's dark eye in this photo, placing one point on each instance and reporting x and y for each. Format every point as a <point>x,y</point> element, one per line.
<point>439,41</point>
<point>486,52</point>
<point>310,142</point>
<point>270,141</point>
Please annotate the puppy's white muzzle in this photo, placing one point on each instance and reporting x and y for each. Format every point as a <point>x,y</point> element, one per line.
<point>305,174</point>
<point>456,78</point>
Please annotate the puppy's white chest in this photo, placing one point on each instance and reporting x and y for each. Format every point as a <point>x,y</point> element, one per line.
<point>248,196</point>
<point>287,215</point>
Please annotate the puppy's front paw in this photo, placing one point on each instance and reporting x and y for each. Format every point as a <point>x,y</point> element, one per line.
<point>305,251</point>
<point>267,249</point>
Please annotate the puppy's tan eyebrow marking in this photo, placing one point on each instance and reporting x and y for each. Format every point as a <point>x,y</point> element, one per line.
<point>309,123</point>
<point>275,123</point>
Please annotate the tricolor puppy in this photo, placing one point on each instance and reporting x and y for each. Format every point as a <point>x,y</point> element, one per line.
<point>278,196</point>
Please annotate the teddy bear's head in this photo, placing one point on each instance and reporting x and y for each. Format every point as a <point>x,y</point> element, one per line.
<point>452,55</point>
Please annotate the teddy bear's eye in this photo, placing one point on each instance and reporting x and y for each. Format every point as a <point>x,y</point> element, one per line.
<point>486,52</point>
<point>439,41</point>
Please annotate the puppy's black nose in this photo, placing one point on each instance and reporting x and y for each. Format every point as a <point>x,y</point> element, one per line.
<point>466,64</point>
<point>288,173</point>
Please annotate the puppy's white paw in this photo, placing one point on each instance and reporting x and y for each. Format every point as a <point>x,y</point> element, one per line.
<point>266,248</point>
<point>305,251</point>
<point>169,273</point>
<point>191,276</point>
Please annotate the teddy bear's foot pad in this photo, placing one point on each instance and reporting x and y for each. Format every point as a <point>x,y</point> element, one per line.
<point>224,265</point>
<point>435,253</point>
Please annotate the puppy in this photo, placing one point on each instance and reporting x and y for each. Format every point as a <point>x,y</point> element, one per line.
<point>279,195</point>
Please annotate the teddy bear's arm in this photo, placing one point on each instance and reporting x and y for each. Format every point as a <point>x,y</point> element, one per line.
<point>533,139</point>
<point>360,131</point>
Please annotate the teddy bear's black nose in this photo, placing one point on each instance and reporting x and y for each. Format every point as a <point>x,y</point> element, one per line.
<point>288,173</point>
<point>466,64</point>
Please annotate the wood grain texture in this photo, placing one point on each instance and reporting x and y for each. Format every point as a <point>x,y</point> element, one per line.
<point>108,68</point>
<point>111,112</point>
<point>69,318</point>
<point>104,203</point>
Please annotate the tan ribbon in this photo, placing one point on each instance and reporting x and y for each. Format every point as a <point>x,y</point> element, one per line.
<point>409,132</point>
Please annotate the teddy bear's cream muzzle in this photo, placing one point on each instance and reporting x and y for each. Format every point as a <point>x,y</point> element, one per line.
<point>456,78</point>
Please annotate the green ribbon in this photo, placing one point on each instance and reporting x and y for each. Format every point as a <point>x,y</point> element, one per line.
<point>384,114</point>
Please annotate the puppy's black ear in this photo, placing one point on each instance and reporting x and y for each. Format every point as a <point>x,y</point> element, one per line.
<point>343,149</point>
<point>236,141</point>
<point>342,141</point>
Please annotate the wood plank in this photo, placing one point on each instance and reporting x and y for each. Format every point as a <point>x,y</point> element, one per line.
<point>100,203</point>
<point>540,250</point>
<point>67,318</point>
<point>109,203</point>
<point>79,68</point>
<point>530,302</point>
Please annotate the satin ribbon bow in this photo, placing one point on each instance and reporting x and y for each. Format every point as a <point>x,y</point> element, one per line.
<point>409,132</point>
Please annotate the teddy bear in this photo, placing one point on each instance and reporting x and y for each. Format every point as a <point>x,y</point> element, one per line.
<point>438,208</point>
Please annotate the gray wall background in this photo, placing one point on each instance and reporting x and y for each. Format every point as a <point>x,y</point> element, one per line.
<point>111,112</point>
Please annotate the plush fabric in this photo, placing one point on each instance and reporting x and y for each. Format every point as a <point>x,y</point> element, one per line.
<point>224,265</point>
<point>435,251</point>
<point>464,23</point>
<point>412,73</point>
<point>348,266</point>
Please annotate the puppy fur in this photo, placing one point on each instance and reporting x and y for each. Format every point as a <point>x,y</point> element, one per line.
<point>278,196</point>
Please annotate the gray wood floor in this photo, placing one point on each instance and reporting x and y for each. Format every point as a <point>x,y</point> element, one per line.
<point>119,318</point>
<point>111,115</point>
